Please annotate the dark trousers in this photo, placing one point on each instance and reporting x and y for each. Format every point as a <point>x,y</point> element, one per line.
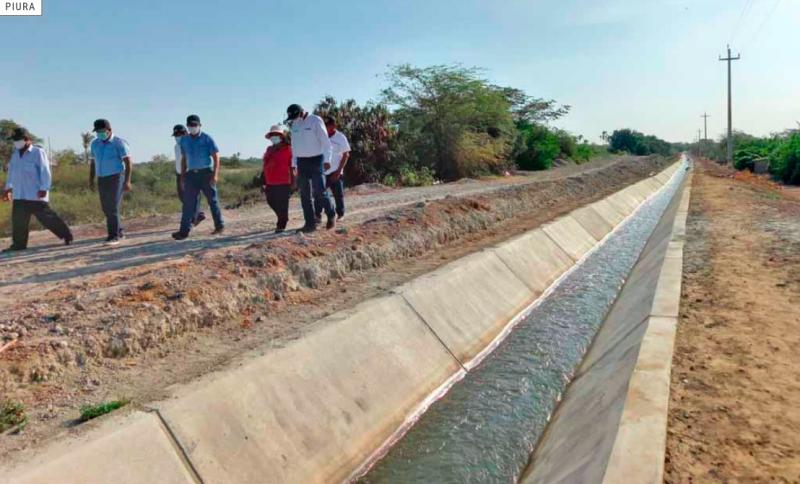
<point>310,180</point>
<point>196,182</point>
<point>337,189</point>
<point>21,212</point>
<point>111,189</point>
<point>278,200</point>
<point>179,186</point>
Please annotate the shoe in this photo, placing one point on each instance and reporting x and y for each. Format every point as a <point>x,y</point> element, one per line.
<point>340,216</point>
<point>280,230</point>
<point>331,223</point>
<point>200,217</point>
<point>180,235</point>
<point>307,229</point>
<point>318,219</point>
<point>113,241</point>
<point>12,249</point>
<point>68,240</point>
<point>218,231</point>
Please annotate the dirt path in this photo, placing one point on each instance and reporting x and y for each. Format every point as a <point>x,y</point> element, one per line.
<point>27,275</point>
<point>734,413</point>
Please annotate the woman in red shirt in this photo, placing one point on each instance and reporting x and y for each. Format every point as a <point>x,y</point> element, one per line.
<point>278,177</point>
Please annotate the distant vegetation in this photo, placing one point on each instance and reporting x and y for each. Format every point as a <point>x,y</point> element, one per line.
<point>780,150</point>
<point>433,123</point>
<point>153,193</point>
<point>636,143</point>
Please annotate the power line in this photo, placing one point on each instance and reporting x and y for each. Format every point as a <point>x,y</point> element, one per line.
<point>747,5</point>
<point>763,23</point>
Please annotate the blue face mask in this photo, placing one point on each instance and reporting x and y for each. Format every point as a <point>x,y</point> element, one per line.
<point>102,135</point>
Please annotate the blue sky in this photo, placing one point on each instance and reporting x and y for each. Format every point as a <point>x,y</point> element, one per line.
<point>647,64</point>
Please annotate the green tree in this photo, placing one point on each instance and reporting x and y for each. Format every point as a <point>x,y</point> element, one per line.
<point>371,136</point>
<point>86,142</point>
<point>451,119</point>
<point>66,157</point>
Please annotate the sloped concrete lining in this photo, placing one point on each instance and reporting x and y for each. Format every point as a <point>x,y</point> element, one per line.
<point>134,449</point>
<point>316,409</point>
<point>591,220</point>
<point>570,236</point>
<point>638,452</point>
<point>535,259</point>
<point>611,424</point>
<point>608,212</point>
<point>467,303</point>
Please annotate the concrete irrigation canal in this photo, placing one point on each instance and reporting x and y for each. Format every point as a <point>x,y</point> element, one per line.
<point>485,428</point>
<point>545,359</point>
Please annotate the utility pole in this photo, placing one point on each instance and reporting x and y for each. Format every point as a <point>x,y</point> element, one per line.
<point>705,125</point>
<point>729,59</point>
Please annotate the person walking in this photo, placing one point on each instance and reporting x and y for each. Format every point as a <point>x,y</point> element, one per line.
<point>200,174</point>
<point>28,184</point>
<point>278,176</point>
<point>334,180</point>
<point>311,156</point>
<point>113,166</point>
<point>179,131</point>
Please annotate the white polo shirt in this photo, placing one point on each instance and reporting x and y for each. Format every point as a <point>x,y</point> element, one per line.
<point>309,139</point>
<point>340,146</point>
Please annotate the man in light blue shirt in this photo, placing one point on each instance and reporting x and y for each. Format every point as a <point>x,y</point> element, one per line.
<point>200,174</point>
<point>113,165</point>
<point>28,183</point>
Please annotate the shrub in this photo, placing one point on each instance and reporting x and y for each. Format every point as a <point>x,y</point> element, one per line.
<point>537,148</point>
<point>785,160</point>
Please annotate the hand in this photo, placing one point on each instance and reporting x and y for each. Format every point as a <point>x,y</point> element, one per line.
<point>6,195</point>
<point>41,193</point>
<point>263,189</point>
<point>327,166</point>
<point>214,178</point>
<point>334,177</point>
<point>127,187</point>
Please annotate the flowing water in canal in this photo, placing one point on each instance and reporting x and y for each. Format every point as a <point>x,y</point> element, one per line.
<point>485,428</point>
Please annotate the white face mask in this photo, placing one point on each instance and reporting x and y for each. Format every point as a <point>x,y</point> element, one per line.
<point>194,130</point>
<point>275,140</point>
<point>18,145</point>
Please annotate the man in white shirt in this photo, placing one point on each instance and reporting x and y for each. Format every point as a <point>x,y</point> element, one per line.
<point>333,175</point>
<point>28,183</point>
<point>311,156</point>
<point>178,132</point>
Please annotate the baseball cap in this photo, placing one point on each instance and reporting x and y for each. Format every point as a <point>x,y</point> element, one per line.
<point>293,111</point>
<point>192,119</point>
<point>178,129</point>
<point>101,124</point>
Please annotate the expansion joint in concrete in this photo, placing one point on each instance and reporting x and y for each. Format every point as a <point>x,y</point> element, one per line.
<point>179,449</point>
<point>439,339</point>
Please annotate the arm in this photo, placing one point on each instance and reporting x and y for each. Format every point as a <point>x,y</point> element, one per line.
<point>45,176</point>
<point>128,171</point>
<point>9,181</point>
<point>325,144</point>
<point>340,170</point>
<point>215,176</point>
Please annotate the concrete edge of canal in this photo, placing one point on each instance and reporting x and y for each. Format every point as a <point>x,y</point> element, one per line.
<point>611,425</point>
<point>317,409</point>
